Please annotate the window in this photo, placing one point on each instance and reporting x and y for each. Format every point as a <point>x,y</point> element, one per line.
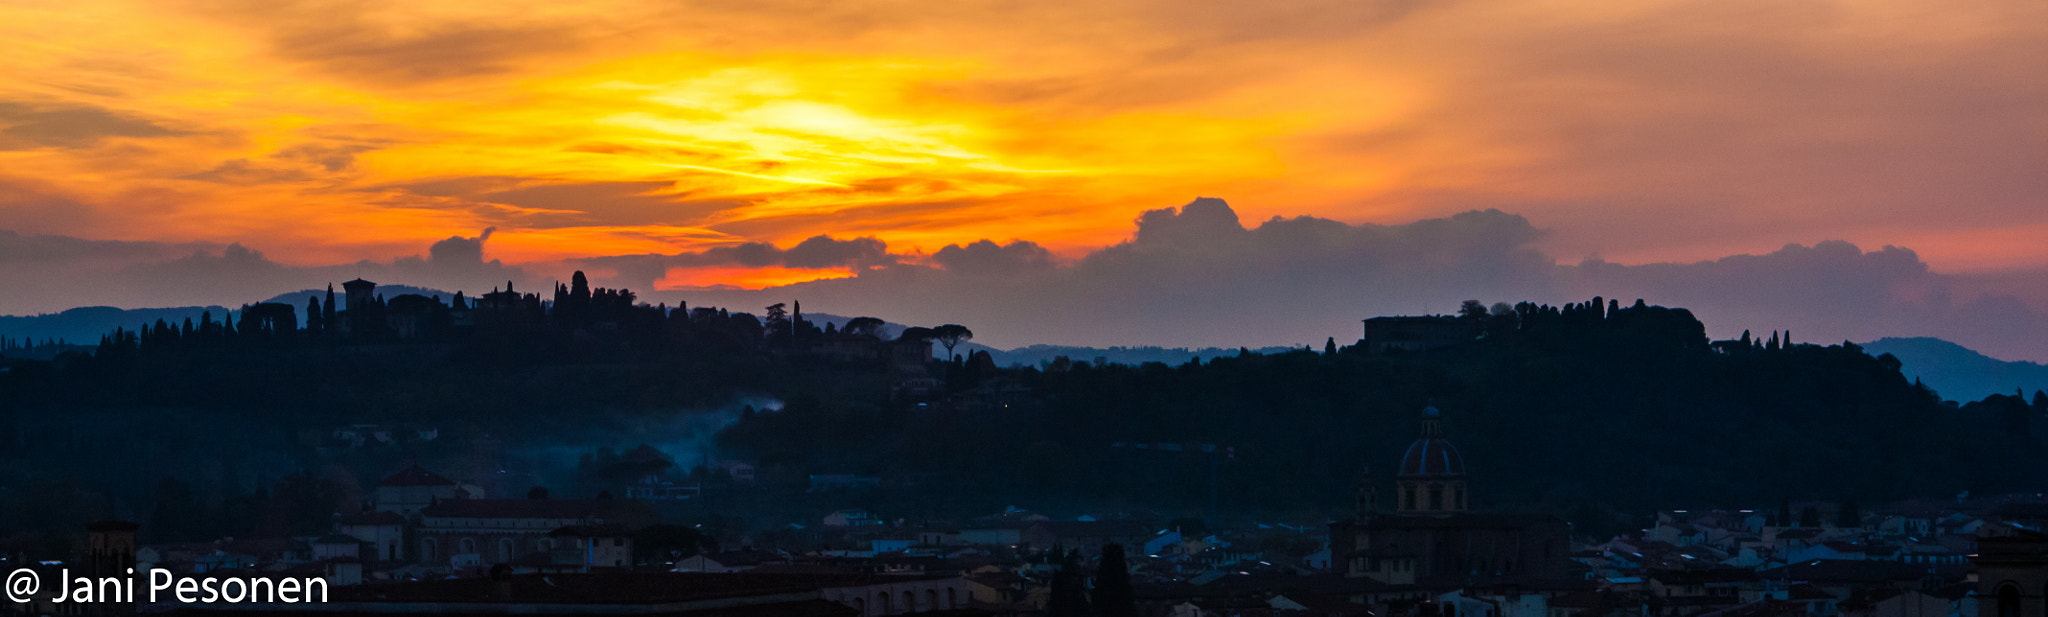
<point>505,550</point>
<point>952,598</point>
<point>909,602</point>
<point>2009,600</point>
<point>468,546</point>
<point>1436,498</point>
<point>427,554</point>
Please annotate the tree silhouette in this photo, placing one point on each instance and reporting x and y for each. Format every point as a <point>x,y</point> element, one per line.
<point>951,335</point>
<point>313,317</point>
<point>326,311</point>
<point>1113,597</point>
<point>1472,309</point>
<point>778,320</point>
<point>863,326</point>
<point>1067,598</point>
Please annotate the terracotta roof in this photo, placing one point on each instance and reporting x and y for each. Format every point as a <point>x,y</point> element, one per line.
<point>415,476</point>
<point>610,510</point>
<point>591,531</point>
<point>112,526</point>
<point>374,517</point>
<point>1703,577</point>
<point>1857,570</point>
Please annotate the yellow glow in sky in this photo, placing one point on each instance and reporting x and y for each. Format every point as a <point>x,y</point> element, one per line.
<point>334,131</point>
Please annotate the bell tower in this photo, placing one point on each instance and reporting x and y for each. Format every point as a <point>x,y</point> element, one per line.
<point>1368,495</point>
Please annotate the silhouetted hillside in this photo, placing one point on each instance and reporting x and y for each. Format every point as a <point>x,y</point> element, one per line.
<point>1595,410</point>
<point>1036,355</point>
<point>86,324</point>
<point>299,298</point>
<point>1957,372</point>
<point>1589,410</point>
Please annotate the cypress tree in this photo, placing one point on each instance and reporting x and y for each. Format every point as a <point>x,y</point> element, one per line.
<point>1067,598</point>
<point>327,308</point>
<point>1113,596</point>
<point>1850,517</point>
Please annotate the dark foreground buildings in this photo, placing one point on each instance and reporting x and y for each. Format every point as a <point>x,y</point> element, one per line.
<point>657,594</point>
<point>1432,543</point>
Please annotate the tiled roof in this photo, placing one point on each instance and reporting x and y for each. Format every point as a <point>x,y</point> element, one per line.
<point>610,510</point>
<point>415,476</point>
<point>375,517</point>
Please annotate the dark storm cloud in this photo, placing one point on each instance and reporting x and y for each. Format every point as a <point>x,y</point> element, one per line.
<point>69,125</point>
<point>445,53</point>
<point>1197,276</point>
<point>986,258</point>
<point>825,252</point>
<point>313,160</point>
<point>639,272</point>
<point>30,206</point>
<point>351,40</point>
<point>17,249</point>
<point>45,273</point>
<point>631,203</point>
<point>243,172</point>
<point>544,203</point>
<point>460,250</point>
<point>1194,276</point>
<point>1827,293</point>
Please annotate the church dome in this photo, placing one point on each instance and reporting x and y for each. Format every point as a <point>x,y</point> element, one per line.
<point>1432,455</point>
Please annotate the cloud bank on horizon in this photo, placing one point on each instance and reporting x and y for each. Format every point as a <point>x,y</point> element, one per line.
<point>1190,276</point>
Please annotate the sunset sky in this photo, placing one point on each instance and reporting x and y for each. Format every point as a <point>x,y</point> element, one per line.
<point>324,133</point>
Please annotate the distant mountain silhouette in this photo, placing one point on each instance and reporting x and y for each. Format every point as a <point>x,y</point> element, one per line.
<point>85,325</point>
<point>1957,372</point>
<point>1035,355</point>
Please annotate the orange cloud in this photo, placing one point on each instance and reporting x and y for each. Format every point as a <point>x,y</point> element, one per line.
<point>742,277</point>
<point>332,131</point>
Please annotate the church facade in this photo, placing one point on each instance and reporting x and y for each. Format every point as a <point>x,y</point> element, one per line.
<point>1431,540</point>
